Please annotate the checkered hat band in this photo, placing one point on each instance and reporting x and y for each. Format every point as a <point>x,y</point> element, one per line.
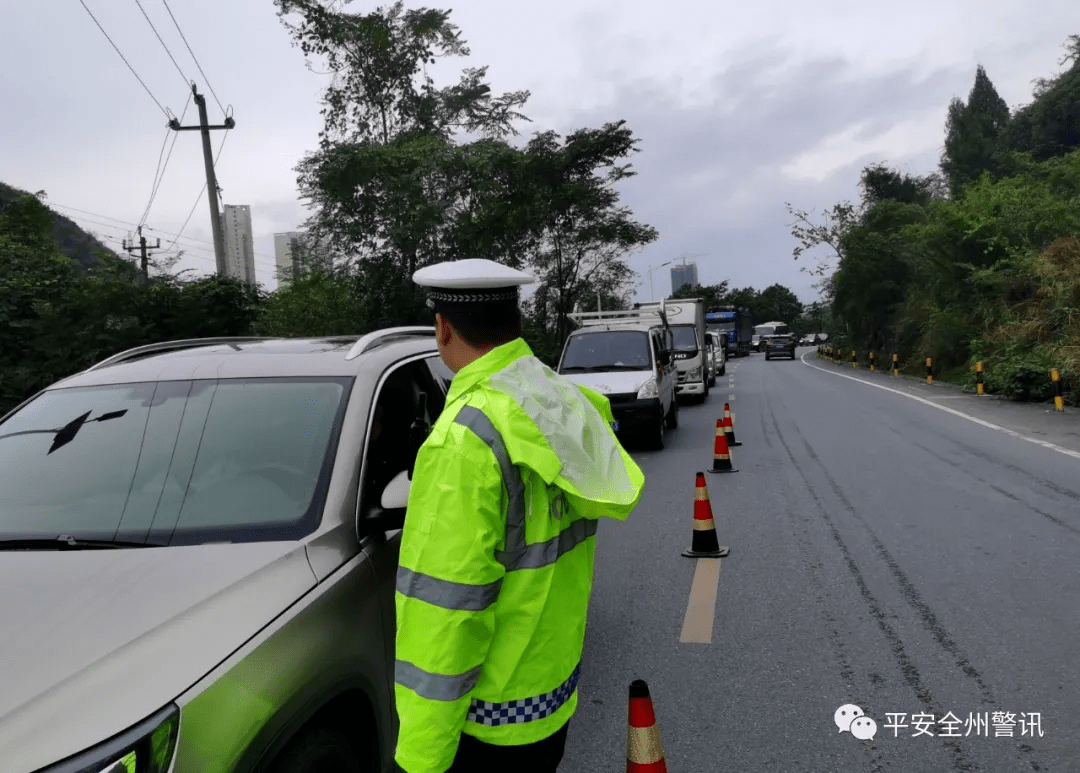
<point>474,296</point>
<point>516,712</point>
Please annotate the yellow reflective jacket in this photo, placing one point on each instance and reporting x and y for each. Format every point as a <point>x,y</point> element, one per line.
<point>497,556</point>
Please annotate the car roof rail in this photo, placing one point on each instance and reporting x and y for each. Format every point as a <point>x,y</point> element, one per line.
<point>169,346</point>
<point>375,338</point>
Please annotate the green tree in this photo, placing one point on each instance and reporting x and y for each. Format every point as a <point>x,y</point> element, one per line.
<point>971,135</point>
<point>581,235</point>
<point>777,302</point>
<point>389,185</point>
<point>1050,125</point>
<point>381,88</point>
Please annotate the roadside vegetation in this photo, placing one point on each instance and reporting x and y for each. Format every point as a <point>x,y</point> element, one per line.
<point>976,261</point>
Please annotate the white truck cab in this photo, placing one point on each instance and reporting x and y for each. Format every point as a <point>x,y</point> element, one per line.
<point>686,317</point>
<point>627,357</point>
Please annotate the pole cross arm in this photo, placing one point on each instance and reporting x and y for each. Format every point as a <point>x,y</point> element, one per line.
<point>174,124</point>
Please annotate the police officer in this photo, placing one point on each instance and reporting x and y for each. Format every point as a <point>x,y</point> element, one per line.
<point>497,550</point>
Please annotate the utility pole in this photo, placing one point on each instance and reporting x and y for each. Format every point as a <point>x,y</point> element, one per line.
<point>211,179</point>
<point>130,247</point>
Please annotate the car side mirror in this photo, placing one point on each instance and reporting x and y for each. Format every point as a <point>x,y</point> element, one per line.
<point>664,358</point>
<point>390,514</point>
<point>396,493</point>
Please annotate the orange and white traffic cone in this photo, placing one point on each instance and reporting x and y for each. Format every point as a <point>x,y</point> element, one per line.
<point>644,752</point>
<point>729,426</point>
<point>704,544</point>
<point>721,452</point>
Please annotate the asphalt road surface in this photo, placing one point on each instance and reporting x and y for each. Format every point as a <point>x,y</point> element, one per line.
<point>905,548</point>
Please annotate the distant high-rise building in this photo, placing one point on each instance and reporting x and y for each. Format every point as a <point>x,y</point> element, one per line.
<point>239,244</point>
<point>293,252</point>
<point>683,274</point>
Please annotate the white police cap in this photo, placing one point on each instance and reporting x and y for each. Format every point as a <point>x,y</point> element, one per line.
<point>474,280</point>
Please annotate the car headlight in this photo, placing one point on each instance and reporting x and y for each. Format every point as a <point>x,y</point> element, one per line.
<point>648,389</point>
<point>694,373</point>
<point>148,747</point>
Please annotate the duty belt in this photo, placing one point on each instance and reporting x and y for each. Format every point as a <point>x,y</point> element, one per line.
<point>516,712</point>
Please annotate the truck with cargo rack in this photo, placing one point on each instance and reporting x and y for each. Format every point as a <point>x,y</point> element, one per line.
<point>626,356</point>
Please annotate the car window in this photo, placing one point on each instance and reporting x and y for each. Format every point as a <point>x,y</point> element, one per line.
<point>173,462</point>
<point>407,404</point>
<point>607,350</point>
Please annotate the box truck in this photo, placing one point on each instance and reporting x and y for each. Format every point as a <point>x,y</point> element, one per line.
<point>686,318</point>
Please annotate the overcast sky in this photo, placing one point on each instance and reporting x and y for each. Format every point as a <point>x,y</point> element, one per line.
<point>740,107</point>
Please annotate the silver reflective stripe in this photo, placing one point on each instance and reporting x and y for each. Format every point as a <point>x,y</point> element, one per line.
<point>435,687</point>
<point>518,554</point>
<point>546,553</point>
<point>482,427</point>
<point>446,593</point>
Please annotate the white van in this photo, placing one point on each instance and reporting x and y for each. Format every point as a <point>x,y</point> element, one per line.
<point>628,360</point>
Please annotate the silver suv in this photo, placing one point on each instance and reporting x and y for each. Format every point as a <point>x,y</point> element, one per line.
<point>198,550</point>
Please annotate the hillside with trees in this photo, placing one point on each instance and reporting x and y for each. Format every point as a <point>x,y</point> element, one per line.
<point>978,261</point>
<point>72,241</point>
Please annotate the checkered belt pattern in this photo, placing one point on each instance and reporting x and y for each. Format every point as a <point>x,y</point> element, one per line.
<point>516,712</point>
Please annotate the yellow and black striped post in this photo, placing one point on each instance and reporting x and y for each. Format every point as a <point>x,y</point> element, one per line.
<point>1059,398</point>
<point>854,360</point>
<point>929,370</point>
<point>979,390</point>
<point>895,365</point>
<point>872,362</point>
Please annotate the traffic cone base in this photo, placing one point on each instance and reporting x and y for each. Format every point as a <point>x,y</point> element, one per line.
<point>644,752</point>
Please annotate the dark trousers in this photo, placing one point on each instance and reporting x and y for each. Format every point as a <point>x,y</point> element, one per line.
<point>544,756</point>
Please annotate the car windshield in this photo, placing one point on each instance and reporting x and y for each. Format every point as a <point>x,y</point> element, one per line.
<point>685,337</point>
<point>175,462</point>
<point>720,327</point>
<point>607,350</point>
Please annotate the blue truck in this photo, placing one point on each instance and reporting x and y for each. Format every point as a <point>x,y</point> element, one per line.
<point>735,324</point>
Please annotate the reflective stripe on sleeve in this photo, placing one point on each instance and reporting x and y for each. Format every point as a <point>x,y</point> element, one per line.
<point>481,426</point>
<point>446,593</point>
<point>435,687</point>
<point>545,553</point>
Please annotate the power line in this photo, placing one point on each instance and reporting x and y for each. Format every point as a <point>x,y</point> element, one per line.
<point>182,37</point>
<point>186,244</point>
<point>201,190</point>
<point>162,42</point>
<point>159,175</point>
<point>189,241</point>
<point>182,247</point>
<point>106,34</point>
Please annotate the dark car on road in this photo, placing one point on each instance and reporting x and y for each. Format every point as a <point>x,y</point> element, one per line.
<point>781,345</point>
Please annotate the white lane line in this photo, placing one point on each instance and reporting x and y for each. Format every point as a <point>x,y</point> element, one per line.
<point>701,608</point>
<point>730,398</point>
<point>925,401</point>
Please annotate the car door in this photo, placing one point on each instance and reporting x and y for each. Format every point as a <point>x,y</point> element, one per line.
<point>413,395</point>
<point>666,376</point>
